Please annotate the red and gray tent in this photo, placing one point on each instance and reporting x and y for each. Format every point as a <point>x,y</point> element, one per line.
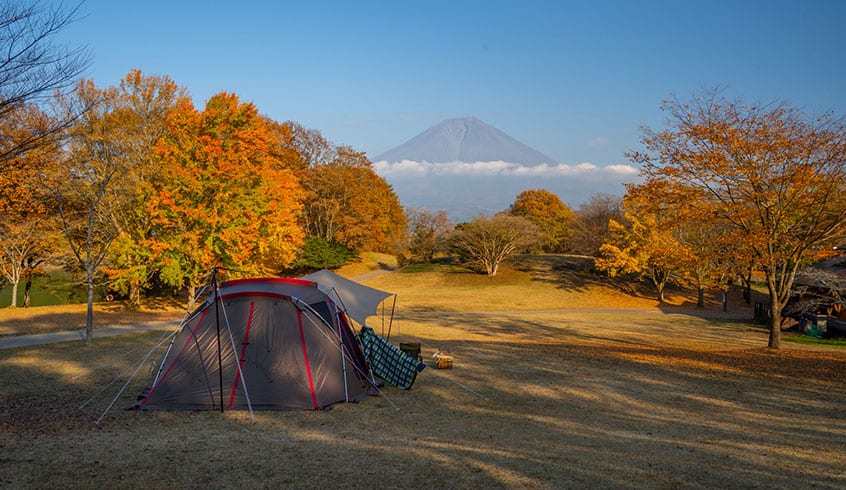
<point>262,344</point>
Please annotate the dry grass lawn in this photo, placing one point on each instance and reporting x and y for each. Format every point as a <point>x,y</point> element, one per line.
<point>46,319</point>
<point>537,399</point>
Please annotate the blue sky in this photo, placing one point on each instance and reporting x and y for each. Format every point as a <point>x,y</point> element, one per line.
<point>574,80</point>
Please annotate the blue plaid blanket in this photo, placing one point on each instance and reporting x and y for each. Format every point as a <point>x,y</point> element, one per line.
<point>387,361</point>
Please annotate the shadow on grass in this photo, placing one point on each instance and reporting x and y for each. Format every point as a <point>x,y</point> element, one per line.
<point>566,403</point>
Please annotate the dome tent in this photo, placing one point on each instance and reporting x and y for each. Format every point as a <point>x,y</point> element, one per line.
<point>262,344</point>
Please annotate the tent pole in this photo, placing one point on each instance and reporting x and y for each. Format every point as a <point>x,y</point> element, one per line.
<point>217,323</point>
<point>391,321</point>
<point>166,355</point>
<point>343,357</point>
<point>238,366</point>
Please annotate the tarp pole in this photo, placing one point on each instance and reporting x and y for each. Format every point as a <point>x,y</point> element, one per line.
<point>391,321</point>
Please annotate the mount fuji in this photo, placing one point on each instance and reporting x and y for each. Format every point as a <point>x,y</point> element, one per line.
<point>466,167</point>
<point>464,140</point>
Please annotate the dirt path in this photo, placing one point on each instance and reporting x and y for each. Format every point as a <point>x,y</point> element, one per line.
<point>78,335</point>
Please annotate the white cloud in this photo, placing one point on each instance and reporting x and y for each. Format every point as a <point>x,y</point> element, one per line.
<point>622,169</point>
<point>407,168</point>
<point>478,168</point>
<point>465,189</point>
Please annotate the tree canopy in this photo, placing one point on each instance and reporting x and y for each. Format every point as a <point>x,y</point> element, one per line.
<point>224,200</point>
<point>33,68</point>
<point>348,203</point>
<point>487,241</point>
<point>28,234</point>
<point>771,177</point>
<point>552,217</point>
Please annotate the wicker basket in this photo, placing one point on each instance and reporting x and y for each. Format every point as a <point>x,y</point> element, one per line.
<point>443,361</point>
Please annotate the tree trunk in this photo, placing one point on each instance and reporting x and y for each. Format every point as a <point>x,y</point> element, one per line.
<point>700,300</point>
<point>192,291</point>
<point>14,302</point>
<point>27,292</point>
<point>134,302</point>
<point>747,287</point>
<point>89,317</point>
<point>775,323</point>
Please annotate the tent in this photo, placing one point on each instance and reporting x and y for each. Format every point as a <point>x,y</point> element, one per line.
<point>360,302</point>
<point>262,344</point>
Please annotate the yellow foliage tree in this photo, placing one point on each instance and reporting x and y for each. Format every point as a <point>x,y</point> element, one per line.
<point>644,246</point>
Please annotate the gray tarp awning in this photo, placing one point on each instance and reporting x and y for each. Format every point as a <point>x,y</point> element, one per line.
<point>360,301</point>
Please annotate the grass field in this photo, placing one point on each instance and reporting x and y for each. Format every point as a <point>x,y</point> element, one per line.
<point>559,382</point>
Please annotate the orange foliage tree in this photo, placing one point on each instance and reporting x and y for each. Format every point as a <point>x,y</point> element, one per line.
<point>28,235</point>
<point>349,203</point>
<point>553,218</point>
<point>224,199</point>
<point>773,179</point>
<point>698,254</point>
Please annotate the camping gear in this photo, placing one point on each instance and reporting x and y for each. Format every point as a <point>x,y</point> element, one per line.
<point>262,344</point>
<point>412,349</point>
<point>388,362</point>
<point>442,361</point>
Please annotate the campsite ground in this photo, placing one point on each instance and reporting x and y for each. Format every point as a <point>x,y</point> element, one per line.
<point>579,384</point>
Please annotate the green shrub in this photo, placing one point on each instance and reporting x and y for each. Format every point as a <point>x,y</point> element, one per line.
<point>319,253</point>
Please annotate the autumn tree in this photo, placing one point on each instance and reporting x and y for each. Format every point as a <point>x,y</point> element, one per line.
<point>33,67</point>
<point>699,253</point>
<point>590,226</point>
<point>223,199</point>
<point>139,108</point>
<point>428,233</point>
<point>93,163</point>
<point>772,176</point>
<point>312,147</point>
<point>700,261</point>
<point>349,203</point>
<point>643,246</point>
<point>487,241</point>
<point>289,148</point>
<point>28,235</point>
<point>552,217</point>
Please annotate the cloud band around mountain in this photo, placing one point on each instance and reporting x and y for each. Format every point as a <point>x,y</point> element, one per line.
<point>410,168</point>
